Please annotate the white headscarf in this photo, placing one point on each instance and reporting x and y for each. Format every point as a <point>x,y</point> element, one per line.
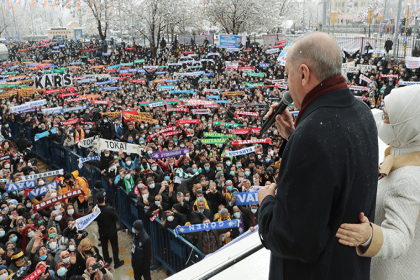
<point>403,132</point>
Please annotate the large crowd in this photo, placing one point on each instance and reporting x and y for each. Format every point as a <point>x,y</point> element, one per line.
<point>208,100</point>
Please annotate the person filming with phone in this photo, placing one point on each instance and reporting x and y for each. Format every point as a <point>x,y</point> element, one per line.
<point>328,172</point>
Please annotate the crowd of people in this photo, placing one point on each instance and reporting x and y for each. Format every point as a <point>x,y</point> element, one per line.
<point>208,100</point>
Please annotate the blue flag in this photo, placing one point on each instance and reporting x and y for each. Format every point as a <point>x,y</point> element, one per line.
<point>246,198</point>
<point>14,187</point>
<point>45,133</point>
<point>43,190</point>
<point>201,227</point>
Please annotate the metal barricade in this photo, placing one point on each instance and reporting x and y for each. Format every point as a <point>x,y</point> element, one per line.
<point>175,253</point>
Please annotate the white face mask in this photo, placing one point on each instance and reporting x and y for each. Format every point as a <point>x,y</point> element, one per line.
<point>170,218</point>
<point>145,196</point>
<point>66,260</point>
<point>29,205</point>
<point>57,207</point>
<point>41,183</point>
<point>70,212</point>
<point>53,245</point>
<point>4,276</point>
<point>58,218</point>
<point>187,198</point>
<point>53,194</point>
<point>254,211</point>
<point>31,234</point>
<point>72,248</point>
<point>128,163</point>
<point>21,193</point>
<point>237,215</point>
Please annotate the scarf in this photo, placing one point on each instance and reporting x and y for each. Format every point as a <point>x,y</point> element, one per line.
<point>129,184</point>
<point>81,137</point>
<point>326,86</point>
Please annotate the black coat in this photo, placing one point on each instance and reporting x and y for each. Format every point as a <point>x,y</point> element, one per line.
<point>332,165</point>
<point>107,220</point>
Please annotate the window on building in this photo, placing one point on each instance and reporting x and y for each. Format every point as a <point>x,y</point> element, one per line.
<point>362,4</point>
<point>342,4</point>
<point>356,4</point>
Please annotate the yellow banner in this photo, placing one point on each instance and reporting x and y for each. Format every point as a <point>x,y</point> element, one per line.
<point>234,93</point>
<point>112,114</point>
<point>160,80</point>
<point>6,95</point>
<point>141,118</point>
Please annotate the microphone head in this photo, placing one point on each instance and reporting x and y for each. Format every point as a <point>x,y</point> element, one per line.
<point>287,98</point>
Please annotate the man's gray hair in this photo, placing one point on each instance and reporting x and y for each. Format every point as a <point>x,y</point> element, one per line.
<point>200,199</point>
<point>320,52</point>
<point>236,207</point>
<point>228,182</point>
<point>224,211</point>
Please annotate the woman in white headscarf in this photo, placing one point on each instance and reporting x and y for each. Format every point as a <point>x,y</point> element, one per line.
<point>393,241</point>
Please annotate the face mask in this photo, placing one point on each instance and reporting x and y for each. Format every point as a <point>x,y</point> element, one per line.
<point>10,217</point>
<point>152,186</point>
<point>247,173</point>
<point>41,221</point>
<point>157,203</point>
<point>386,132</point>
<point>72,248</point>
<point>154,168</point>
<point>220,145</point>
<point>62,271</point>
<point>130,140</point>
<point>194,170</point>
<point>7,166</point>
<point>31,234</point>
<point>145,196</point>
<point>254,211</point>
<point>53,245</point>
<point>2,233</point>
<point>21,193</point>
<point>66,260</point>
<point>70,212</point>
<point>232,173</point>
<point>207,168</point>
<point>127,177</point>
<point>229,188</point>
<point>58,207</point>
<point>201,211</point>
<point>167,178</point>
<point>267,160</point>
<point>170,218</point>
<point>4,276</point>
<point>182,145</point>
<point>43,257</point>
<point>228,163</point>
<point>128,163</point>
<point>237,215</point>
<point>58,218</point>
<point>28,205</point>
<point>106,155</point>
<point>53,194</point>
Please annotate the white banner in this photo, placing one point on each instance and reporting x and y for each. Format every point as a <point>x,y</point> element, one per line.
<point>83,222</point>
<point>36,103</point>
<point>364,78</point>
<point>56,81</point>
<point>43,175</point>
<point>86,143</point>
<point>243,151</point>
<point>412,62</point>
<point>201,111</point>
<point>115,146</point>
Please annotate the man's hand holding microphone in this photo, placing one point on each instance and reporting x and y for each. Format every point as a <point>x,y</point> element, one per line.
<point>283,120</point>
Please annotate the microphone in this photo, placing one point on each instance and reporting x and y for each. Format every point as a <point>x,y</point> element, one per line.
<point>287,99</point>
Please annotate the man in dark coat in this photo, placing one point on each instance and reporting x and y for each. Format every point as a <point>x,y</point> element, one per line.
<point>300,222</point>
<point>108,230</point>
<point>141,252</point>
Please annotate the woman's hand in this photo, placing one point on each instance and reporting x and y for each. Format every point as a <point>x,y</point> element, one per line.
<point>355,234</point>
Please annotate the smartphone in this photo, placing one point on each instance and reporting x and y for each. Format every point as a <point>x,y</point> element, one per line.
<point>96,266</point>
<point>195,207</point>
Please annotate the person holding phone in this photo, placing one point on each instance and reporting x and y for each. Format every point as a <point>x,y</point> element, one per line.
<point>96,270</point>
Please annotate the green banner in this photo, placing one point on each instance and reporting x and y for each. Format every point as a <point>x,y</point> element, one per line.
<point>127,64</point>
<point>162,66</point>
<point>58,71</point>
<point>197,66</point>
<point>86,56</point>
<point>139,61</point>
<point>260,75</point>
<point>217,123</point>
<point>29,59</point>
<point>213,141</point>
<point>12,72</point>
<point>252,85</point>
<point>205,80</point>
<point>219,135</point>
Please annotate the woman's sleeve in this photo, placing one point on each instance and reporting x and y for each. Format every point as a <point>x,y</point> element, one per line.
<point>394,236</point>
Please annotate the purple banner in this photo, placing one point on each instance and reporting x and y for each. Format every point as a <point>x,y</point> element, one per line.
<point>30,110</point>
<point>168,154</point>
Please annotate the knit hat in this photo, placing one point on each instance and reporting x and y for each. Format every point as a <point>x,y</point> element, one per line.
<point>98,184</point>
<point>3,267</point>
<point>177,207</point>
<point>138,225</point>
<point>62,253</point>
<point>17,255</point>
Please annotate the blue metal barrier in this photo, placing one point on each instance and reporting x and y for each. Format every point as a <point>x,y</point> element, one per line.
<point>175,253</point>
